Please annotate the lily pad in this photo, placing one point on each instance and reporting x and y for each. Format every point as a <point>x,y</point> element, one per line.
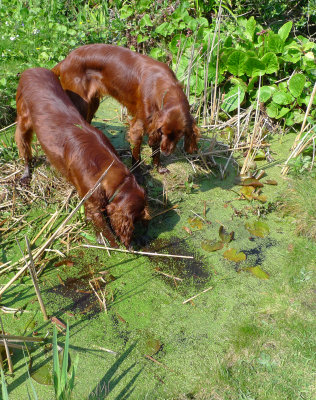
<point>258,228</point>
<point>210,246</point>
<point>224,235</point>
<point>252,182</point>
<point>232,255</point>
<point>258,272</point>
<point>247,192</point>
<point>152,346</point>
<point>196,223</point>
<point>261,197</point>
<point>44,373</point>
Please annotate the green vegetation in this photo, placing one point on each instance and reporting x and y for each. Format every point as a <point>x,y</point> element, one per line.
<point>236,322</point>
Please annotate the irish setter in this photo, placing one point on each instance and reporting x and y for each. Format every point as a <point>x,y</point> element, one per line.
<point>80,152</point>
<point>147,88</point>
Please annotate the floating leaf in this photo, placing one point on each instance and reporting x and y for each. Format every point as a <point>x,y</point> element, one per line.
<point>258,228</point>
<point>224,235</point>
<point>232,255</point>
<point>247,192</point>
<point>252,182</point>
<point>258,272</point>
<point>296,84</point>
<point>270,182</point>
<point>196,223</point>
<point>260,155</point>
<point>261,197</point>
<point>210,246</point>
<point>152,346</point>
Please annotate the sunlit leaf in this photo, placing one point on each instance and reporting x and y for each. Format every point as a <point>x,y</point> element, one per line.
<point>152,346</point>
<point>196,223</point>
<point>258,272</point>
<point>260,155</point>
<point>258,228</point>
<point>232,255</point>
<point>236,62</point>
<point>224,235</point>
<point>285,30</point>
<point>296,84</point>
<point>247,192</point>
<point>211,246</point>
<point>261,197</point>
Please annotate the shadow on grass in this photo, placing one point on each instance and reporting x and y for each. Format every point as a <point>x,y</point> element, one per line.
<point>112,378</point>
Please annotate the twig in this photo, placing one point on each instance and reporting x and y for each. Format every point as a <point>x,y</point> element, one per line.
<point>31,266</point>
<point>48,242</point>
<point>7,349</point>
<point>144,253</point>
<point>199,294</point>
<point>165,211</point>
<point>7,127</point>
<point>168,276</point>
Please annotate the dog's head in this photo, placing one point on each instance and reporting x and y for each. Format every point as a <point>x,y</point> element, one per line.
<point>127,207</point>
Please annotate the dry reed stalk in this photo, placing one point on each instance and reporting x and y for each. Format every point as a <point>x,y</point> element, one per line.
<point>199,294</point>
<point>145,253</point>
<point>40,251</point>
<point>102,302</point>
<point>218,22</point>
<point>245,166</point>
<point>14,338</point>
<point>7,127</point>
<point>165,211</point>
<point>10,365</point>
<point>168,276</point>
<point>285,169</point>
<point>109,254</point>
<point>190,68</point>
<point>32,271</point>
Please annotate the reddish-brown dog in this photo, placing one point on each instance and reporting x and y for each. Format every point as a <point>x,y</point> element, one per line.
<point>79,151</point>
<point>147,88</point>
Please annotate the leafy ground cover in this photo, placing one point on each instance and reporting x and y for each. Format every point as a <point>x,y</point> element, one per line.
<point>248,335</point>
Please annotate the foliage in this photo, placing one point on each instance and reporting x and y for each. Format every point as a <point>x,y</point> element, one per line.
<point>5,395</point>
<point>62,385</point>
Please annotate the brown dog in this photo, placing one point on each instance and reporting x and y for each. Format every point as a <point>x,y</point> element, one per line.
<point>79,151</point>
<point>147,88</point>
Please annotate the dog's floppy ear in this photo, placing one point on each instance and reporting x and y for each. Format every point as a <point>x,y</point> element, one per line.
<point>191,138</point>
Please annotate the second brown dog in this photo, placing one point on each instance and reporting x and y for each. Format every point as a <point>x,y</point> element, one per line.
<point>147,88</point>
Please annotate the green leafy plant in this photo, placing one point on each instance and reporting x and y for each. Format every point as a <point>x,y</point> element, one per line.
<point>63,385</point>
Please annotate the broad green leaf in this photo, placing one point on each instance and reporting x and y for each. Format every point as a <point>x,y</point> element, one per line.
<point>258,272</point>
<point>250,28</point>
<point>283,111</point>
<point>284,31</point>
<point>236,62</point>
<point>271,63</point>
<point>163,29</point>
<point>211,246</point>
<point>296,84</point>
<point>266,93</point>
<point>254,67</point>
<point>145,21</point>
<point>261,197</point>
<point>292,55</point>
<point>232,255</point>
<point>274,43</point>
<point>152,346</point>
<point>142,38</point>
<point>239,82</point>
<point>282,98</point>
<point>230,102</point>
<point>258,228</point>
<point>224,235</point>
<point>143,4</point>
<point>126,11</point>
<point>156,53</point>
<point>298,116</point>
<point>202,21</point>
<point>3,82</point>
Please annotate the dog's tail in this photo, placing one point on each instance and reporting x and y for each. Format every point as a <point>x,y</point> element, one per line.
<point>56,69</point>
